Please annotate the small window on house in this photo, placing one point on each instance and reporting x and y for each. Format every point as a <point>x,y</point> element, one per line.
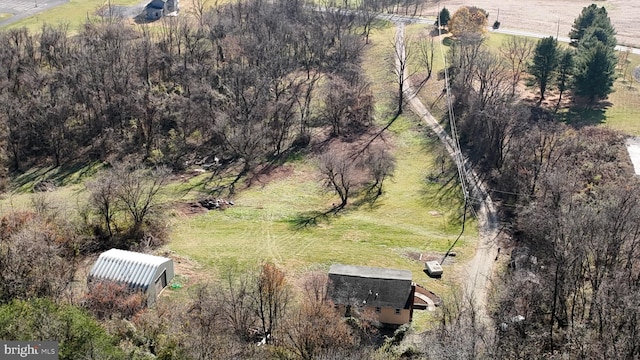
<point>397,311</point>
<point>378,309</point>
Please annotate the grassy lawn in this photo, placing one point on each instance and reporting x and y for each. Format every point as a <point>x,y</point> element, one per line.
<point>624,114</point>
<point>621,111</point>
<point>413,215</point>
<point>4,16</point>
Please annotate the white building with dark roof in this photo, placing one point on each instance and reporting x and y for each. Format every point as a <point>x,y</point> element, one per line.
<point>140,272</point>
<point>387,293</point>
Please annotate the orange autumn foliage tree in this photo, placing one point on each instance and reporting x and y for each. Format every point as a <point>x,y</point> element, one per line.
<point>468,20</point>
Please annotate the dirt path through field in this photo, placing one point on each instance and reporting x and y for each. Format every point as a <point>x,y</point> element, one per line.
<point>480,268</point>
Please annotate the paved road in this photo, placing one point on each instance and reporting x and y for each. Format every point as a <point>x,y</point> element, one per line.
<point>430,20</point>
<point>24,8</point>
<point>561,38</point>
<point>406,19</point>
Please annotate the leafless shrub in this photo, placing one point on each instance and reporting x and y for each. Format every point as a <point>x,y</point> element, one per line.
<point>108,299</point>
<point>36,257</point>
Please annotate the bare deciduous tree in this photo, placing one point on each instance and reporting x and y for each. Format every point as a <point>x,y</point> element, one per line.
<point>202,323</point>
<point>108,299</point>
<point>238,304</point>
<point>348,108</point>
<point>517,51</point>
<point>128,192</point>
<point>272,298</point>
<point>339,170</point>
<point>380,164</point>
<point>460,334</point>
<point>315,327</point>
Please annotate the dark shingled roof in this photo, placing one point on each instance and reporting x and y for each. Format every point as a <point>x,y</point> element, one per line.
<point>363,285</point>
<point>156,4</point>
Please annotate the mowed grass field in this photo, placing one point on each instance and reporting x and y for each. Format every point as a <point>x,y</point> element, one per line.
<point>262,226</point>
<point>413,215</point>
<point>624,112</point>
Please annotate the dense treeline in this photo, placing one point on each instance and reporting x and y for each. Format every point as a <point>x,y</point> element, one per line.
<point>567,193</point>
<point>235,86</point>
<point>239,82</point>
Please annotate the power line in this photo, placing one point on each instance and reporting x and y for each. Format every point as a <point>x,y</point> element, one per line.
<point>457,153</point>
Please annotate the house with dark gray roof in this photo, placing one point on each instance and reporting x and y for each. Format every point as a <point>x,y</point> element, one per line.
<point>156,9</point>
<point>386,293</point>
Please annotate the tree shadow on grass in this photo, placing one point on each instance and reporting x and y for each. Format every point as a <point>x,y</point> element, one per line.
<point>446,196</point>
<point>59,176</point>
<point>579,116</point>
<point>308,219</point>
<point>314,218</point>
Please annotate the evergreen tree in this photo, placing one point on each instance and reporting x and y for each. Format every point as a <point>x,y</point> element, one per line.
<point>591,17</point>
<point>597,34</point>
<point>564,74</point>
<point>443,18</point>
<point>595,71</point>
<point>596,61</point>
<point>543,64</point>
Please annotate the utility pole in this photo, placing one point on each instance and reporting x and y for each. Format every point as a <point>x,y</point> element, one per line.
<point>558,30</point>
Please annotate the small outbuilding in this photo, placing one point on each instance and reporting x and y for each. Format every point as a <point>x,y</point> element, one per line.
<point>140,272</point>
<point>434,269</point>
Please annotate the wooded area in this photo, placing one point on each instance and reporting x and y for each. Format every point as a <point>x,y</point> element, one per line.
<point>252,82</point>
<point>568,196</point>
<point>239,82</point>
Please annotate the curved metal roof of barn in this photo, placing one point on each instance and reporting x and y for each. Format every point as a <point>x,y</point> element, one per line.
<point>133,268</point>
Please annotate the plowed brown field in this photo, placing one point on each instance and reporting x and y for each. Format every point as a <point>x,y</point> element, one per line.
<point>543,16</point>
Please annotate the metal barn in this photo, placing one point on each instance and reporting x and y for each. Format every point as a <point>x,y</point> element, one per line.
<point>141,272</point>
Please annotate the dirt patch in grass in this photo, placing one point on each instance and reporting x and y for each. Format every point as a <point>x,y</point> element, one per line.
<point>428,256</point>
<point>267,173</point>
<point>188,273</point>
<point>189,208</point>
